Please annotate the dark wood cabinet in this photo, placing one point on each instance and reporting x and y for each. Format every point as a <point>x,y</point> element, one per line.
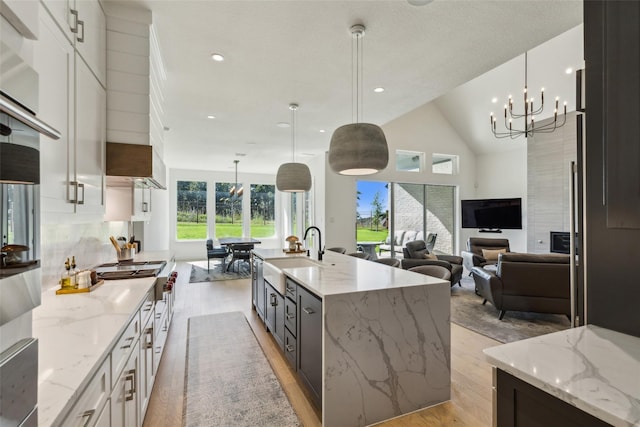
<point>274,314</point>
<point>612,166</point>
<point>522,405</point>
<point>309,342</point>
<point>258,287</point>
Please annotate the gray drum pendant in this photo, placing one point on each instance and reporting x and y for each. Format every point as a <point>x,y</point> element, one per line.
<point>358,149</point>
<point>293,177</point>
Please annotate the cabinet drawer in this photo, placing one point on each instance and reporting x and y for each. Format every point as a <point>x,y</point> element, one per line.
<point>159,316</point>
<point>290,316</point>
<point>121,350</point>
<point>290,289</point>
<point>146,310</point>
<point>89,406</point>
<point>290,348</point>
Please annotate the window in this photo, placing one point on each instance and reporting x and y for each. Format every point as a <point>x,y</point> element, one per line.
<point>446,164</point>
<point>372,210</point>
<point>228,210</point>
<point>263,210</point>
<point>409,161</point>
<point>191,222</point>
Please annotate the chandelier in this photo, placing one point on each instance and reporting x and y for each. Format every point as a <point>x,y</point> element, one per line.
<point>528,116</point>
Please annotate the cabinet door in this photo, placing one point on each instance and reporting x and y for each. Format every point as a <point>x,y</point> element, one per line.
<point>270,306</point>
<point>124,403</point>
<point>60,10</point>
<point>260,291</point>
<point>91,38</point>
<point>54,61</point>
<point>146,366</point>
<point>309,341</point>
<point>279,321</point>
<point>90,140</point>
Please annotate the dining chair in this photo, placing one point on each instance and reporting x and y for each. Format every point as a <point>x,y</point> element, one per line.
<point>240,252</point>
<point>220,252</point>
<point>338,250</point>
<point>360,255</point>
<point>391,262</point>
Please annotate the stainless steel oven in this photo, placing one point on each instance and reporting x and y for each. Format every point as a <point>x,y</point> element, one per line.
<point>20,273</point>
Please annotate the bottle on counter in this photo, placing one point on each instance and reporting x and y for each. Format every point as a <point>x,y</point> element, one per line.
<point>73,274</point>
<point>65,280</point>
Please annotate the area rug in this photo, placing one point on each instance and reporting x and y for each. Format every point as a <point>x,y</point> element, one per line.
<point>199,273</point>
<point>467,311</point>
<point>228,380</point>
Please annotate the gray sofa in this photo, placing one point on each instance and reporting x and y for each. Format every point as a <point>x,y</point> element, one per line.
<point>526,282</point>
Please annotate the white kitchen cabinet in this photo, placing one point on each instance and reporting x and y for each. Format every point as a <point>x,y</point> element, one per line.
<point>89,409</point>
<point>125,395</point>
<point>73,102</point>
<point>147,374</point>
<point>83,23</point>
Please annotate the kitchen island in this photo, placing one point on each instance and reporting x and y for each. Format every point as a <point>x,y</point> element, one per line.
<point>383,345</point>
<point>85,340</point>
<point>586,376</point>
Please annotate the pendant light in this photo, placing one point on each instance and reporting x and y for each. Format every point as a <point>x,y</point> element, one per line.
<point>240,190</point>
<point>358,148</point>
<point>293,177</point>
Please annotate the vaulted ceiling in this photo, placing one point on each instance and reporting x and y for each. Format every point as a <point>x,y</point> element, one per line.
<point>279,52</point>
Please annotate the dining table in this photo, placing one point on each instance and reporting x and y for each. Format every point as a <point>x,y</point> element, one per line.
<point>234,242</point>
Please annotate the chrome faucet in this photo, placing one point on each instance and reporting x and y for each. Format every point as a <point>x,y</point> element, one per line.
<point>320,251</point>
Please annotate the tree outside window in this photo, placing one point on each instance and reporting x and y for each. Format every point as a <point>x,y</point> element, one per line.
<point>191,222</point>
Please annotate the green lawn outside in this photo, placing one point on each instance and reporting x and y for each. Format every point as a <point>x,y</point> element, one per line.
<point>367,235</point>
<point>197,231</point>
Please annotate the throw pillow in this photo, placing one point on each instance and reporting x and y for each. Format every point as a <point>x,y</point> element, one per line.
<point>492,254</point>
<point>429,256</point>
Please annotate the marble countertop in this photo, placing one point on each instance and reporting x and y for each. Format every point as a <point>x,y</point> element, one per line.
<point>594,369</point>
<point>342,274</point>
<point>76,332</point>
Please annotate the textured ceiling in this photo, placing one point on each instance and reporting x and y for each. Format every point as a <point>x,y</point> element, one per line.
<point>278,52</point>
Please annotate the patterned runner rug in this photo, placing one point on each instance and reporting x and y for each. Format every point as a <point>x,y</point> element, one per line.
<point>229,381</point>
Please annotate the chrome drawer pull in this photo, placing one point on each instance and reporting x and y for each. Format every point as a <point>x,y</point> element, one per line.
<point>88,414</point>
<point>290,316</point>
<point>130,340</point>
<point>307,310</point>
<point>289,348</point>
<point>291,290</point>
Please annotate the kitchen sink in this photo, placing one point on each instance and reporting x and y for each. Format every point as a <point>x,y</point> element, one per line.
<point>272,269</point>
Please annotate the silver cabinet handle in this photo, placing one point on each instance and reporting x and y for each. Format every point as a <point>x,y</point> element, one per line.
<point>130,341</point>
<point>131,376</point>
<point>290,316</point>
<point>274,300</point>
<point>81,38</point>
<point>307,310</point>
<point>289,348</point>
<point>74,29</point>
<point>149,344</point>
<point>158,315</point>
<point>81,186</point>
<point>88,415</point>
<point>291,290</point>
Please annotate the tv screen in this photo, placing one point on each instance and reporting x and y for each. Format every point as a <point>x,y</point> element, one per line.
<point>492,213</point>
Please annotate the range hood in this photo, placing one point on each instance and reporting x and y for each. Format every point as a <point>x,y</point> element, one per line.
<point>135,164</point>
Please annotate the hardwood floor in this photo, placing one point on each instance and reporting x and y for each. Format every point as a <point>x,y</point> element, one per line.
<point>470,403</point>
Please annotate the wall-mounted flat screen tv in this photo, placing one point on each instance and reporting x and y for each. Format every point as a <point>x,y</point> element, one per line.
<point>492,213</point>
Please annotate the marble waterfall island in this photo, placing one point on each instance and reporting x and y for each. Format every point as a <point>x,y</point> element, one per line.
<point>386,339</point>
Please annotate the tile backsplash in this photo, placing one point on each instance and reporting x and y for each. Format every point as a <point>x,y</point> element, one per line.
<point>89,243</point>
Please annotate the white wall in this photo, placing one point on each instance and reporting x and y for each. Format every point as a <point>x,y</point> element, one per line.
<point>195,249</point>
<point>504,175</point>
<point>424,129</point>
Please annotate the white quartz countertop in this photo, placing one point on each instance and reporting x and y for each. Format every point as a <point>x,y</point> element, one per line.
<point>594,369</point>
<point>340,274</point>
<point>76,332</point>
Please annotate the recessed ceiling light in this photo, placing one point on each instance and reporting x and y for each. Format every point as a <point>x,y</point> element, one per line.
<point>322,131</point>
<point>568,70</point>
<point>283,125</point>
<point>217,57</point>
<point>379,90</point>
<point>494,99</point>
<point>210,116</point>
<point>307,154</point>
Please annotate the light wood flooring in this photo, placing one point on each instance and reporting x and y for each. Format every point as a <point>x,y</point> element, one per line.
<point>470,403</point>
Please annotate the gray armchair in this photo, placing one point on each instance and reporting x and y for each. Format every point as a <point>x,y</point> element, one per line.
<point>414,256</point>
<point>474,256</point>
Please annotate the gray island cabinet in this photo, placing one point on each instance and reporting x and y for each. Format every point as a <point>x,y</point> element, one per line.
<point>370,342</point>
